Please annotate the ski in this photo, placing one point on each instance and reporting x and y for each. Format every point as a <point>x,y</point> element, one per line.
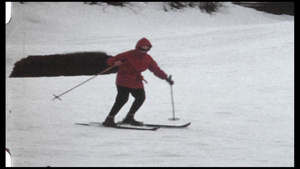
<point>167,126</point>
<point>163,125</point>
<point>119,126</point>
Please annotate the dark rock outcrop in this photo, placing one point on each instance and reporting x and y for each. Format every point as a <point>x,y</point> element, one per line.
<point>71,64</point>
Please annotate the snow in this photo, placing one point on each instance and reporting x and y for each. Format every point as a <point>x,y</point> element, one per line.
<point>234,81</point>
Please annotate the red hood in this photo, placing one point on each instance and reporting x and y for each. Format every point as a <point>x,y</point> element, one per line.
<point>143,42</point>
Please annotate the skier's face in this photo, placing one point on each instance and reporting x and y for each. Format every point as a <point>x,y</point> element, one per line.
<point>144,49</point>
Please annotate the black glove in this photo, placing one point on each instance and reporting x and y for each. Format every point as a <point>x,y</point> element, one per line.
<point>169,80</point>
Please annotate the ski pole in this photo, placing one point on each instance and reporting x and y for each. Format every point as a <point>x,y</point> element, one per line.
<point>57,97</point>
<point>173,109</point>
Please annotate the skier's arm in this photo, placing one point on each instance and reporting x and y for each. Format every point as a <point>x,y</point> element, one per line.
<point>116,60</point>
<point>153,67</point>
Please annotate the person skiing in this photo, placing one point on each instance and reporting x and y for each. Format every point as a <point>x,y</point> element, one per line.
<point>130,80</point>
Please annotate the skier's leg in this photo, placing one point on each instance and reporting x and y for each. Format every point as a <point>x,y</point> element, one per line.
<point>121,99</point>
<point>139,95</point>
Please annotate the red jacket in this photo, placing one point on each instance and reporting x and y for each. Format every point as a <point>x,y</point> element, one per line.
<point>129,74</point>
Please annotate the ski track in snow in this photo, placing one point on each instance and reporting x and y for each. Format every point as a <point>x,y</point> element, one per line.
<point>233,74</point>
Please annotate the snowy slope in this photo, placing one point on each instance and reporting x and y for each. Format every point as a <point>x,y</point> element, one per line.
<point>233,73</point>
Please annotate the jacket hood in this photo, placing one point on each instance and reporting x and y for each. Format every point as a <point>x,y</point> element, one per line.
<point>143,42</point>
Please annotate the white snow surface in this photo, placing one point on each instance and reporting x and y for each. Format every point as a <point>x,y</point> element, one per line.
<point>234,81</point>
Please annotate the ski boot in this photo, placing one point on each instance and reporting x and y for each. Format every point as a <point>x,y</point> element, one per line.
<point>109,121</point>
<point>130,120</point>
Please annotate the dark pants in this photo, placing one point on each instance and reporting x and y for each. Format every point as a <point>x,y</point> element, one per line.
<point>122,98</point>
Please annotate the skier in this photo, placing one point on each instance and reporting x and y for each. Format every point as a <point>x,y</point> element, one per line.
<point>130,80</point>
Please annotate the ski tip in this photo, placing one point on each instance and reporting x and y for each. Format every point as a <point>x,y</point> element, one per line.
<point>83,124</point>
<point>155,128</point>
<point>187,124</point>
